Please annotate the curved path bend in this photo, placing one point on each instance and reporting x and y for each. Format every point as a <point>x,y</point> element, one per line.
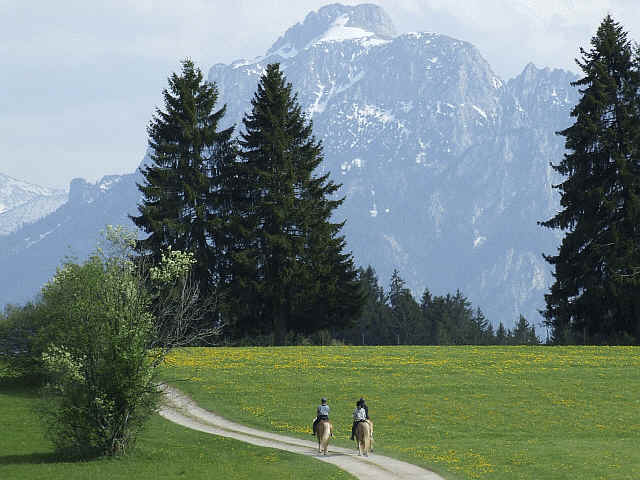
<point>181,409</point>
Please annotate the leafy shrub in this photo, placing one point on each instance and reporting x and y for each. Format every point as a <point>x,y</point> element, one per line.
<point>100,373</point>
<point>105,335</point>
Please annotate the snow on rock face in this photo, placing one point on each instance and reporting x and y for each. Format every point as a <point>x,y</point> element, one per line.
<point>335,23</point>
<point>13,192</point>
<point>29,212</point>
<point>22,203</point>
<point>339,31</point>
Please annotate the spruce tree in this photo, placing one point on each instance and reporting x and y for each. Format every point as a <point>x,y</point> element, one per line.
<point>458,316</point>
<point>479,328</point>
<point>425,333</point>
<point>370,326</point>
<point>405,312</point>
<point>182,206</point>
<point>596,296</point>
<point>290,268</point>
<point>502,335</point>
<point>524,333</point>
<point>490,336</point>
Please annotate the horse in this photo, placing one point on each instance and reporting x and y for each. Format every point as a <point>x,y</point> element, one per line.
<point>363,437</point>
<point>324,430</point>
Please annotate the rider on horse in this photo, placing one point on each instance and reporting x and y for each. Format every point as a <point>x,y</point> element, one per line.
<point>360,414</point>
<point>322,413</point>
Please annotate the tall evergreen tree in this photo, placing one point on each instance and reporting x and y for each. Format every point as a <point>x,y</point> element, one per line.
<point>596,296</point>
<point>456,320</point>
<point>502,335</point>
<point>291,269</point>
<point>524,333</point>
<point>479,331</point>
<point>405,312</point>
<point>426,327</point>
<point>182,205</point>
<point>372,324</point>
<point>490,335</point>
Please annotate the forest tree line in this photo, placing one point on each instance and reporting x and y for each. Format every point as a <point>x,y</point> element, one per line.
<point>393,316</point>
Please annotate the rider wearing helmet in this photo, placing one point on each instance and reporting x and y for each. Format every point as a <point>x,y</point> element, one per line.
<point>360,414</point>
<point>322,413</point>
<point>364,405</point>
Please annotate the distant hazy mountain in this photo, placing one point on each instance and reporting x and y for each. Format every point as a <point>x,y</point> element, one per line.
<point>445,166</point>
<point>29,257</point>
<point>22,203</point>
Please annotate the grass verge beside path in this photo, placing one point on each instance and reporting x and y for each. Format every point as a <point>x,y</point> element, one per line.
<point>164,451</point>
<point>466,412</point>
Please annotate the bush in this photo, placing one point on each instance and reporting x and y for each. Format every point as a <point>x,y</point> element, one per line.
<point>101,376</point>
<point>109,322</point>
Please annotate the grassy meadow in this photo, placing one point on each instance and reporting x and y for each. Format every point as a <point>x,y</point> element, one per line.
<point>466,412</point>
<point>164,451</point>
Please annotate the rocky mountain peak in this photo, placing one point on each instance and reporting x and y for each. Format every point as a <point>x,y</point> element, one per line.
<point>540,92</point>
<point>335,22</point>
<point>532,75</point>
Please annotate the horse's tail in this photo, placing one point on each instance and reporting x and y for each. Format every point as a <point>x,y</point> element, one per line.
<point>324,432</point>
<point>367,438</point>
<point>363,433</point>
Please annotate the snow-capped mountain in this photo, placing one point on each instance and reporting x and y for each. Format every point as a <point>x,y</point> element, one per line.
<point>22,203</point>
<point>29,256</point>
<point>334,23</point>
<point>445,167</point>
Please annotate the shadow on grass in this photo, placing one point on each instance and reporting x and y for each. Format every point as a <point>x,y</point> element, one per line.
<point>48,457</point>
<point>20,387</point>
<point>31,458</point>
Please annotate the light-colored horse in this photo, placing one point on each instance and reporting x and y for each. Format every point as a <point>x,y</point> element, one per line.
<point>324,430</point>
<point>363,437</point>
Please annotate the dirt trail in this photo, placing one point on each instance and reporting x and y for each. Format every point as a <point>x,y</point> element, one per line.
<point>182,410</point>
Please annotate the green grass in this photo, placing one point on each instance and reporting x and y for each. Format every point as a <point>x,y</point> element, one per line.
<point>164,451</point>
<point>467,412</point>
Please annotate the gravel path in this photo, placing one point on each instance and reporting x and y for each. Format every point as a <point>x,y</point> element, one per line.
<point>182,410</point>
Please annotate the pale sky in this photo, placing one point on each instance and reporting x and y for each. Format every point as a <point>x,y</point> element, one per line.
<point>79,80</point>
